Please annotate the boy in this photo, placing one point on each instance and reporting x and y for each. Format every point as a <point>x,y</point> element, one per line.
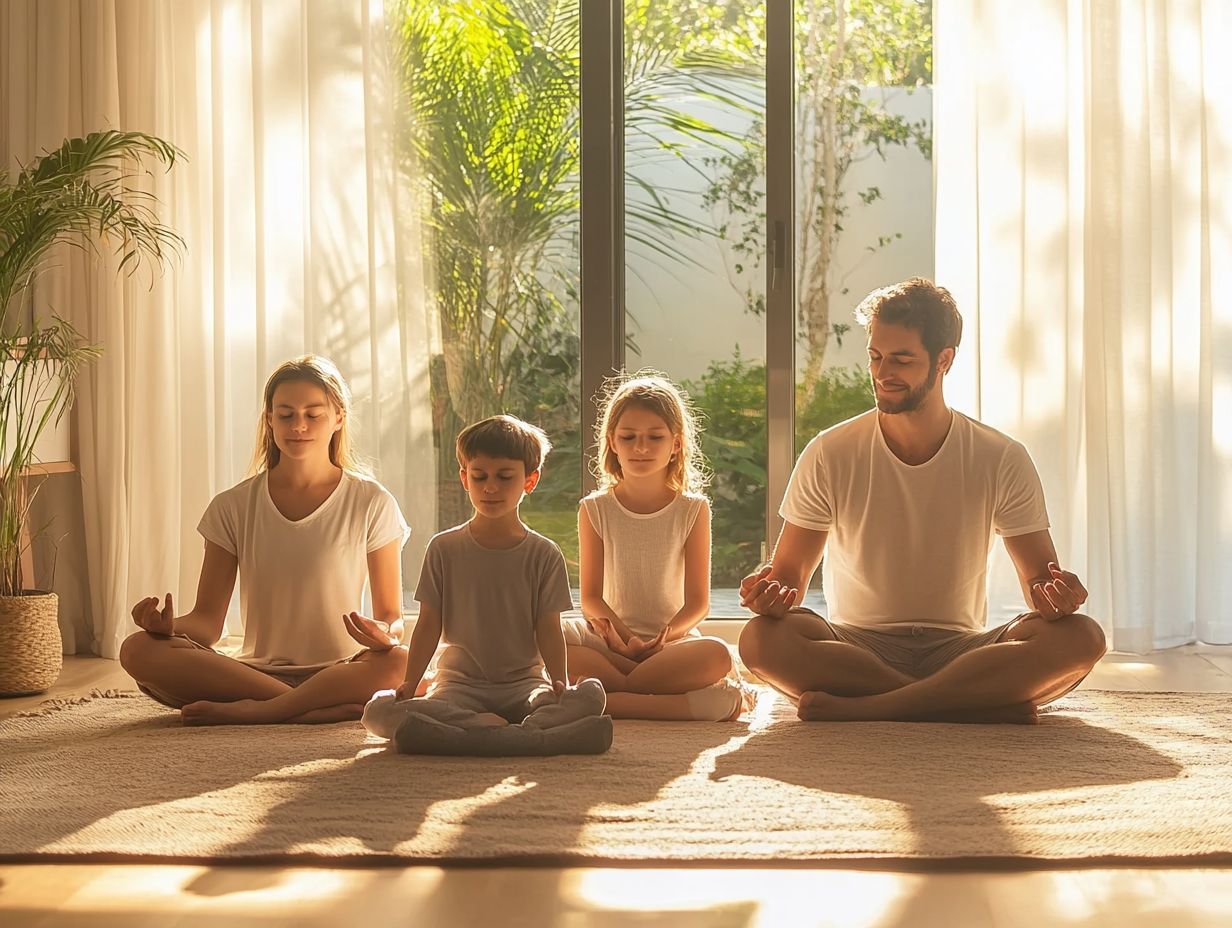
<point>494,589</point>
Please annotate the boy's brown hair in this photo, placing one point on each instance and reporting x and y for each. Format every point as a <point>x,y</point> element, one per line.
<point>504,437</point>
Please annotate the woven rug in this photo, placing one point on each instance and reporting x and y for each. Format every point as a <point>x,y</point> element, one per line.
<point>1105,777</point>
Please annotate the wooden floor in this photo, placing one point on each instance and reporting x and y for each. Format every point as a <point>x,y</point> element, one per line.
<point>131,896</point>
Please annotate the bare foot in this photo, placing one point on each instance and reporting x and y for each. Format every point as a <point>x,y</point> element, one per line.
<point>820,706</point>
<point>240,712</point>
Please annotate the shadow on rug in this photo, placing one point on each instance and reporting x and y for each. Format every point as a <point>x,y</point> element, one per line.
<point>1106,777</point>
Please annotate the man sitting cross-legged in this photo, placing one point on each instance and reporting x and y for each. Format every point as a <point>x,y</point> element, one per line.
<point>908,496</point>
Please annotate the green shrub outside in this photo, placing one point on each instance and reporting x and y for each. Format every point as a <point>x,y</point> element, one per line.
<point>731,399</point>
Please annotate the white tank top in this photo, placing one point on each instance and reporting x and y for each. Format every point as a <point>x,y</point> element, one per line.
<point>643,557</point>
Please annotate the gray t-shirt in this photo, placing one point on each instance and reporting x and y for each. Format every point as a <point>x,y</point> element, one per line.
<point>490,601</point>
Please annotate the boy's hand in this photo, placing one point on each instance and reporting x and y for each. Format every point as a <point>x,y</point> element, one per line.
<point>368,632</point>
<point>156,621</point>
<point>558,688</point>
<point>405,691</point>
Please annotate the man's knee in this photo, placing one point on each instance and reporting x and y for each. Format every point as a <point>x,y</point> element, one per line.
<point>757,640</point>
<point>1074,642</point>
<point>1088,641</point>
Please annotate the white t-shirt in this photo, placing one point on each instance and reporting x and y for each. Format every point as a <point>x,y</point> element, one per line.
<point>298,578</point>
<point>643,557</point>
<point>909,544</point>
<point>490,601</point>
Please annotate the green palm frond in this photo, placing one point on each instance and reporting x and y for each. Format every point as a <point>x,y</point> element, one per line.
<point>88,194</point>
<point>85,193</point>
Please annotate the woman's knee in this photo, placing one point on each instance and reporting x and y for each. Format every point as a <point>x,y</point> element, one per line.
<point>389,667</point>
<point>138,650</point>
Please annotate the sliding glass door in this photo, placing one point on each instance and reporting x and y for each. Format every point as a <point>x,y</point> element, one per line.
<point>702,187</point>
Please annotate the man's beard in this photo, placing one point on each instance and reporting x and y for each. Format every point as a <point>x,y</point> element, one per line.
<point>914,398</point>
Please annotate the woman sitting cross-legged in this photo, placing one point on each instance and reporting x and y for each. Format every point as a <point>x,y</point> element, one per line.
<point>304,534</point>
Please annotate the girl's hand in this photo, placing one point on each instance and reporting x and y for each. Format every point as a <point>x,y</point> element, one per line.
<point>605,630</point>
<point>603,627</point>
<point>156,621</point>
<point>640,650</point>
<point>636,648</point>
<point>368,632</point>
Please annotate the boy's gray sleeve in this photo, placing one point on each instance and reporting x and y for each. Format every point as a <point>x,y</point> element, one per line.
<point>431,577</point>
<point>554,594</point>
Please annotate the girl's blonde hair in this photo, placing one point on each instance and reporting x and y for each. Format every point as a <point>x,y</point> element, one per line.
<point>322,372</point>
<point>652,391</point>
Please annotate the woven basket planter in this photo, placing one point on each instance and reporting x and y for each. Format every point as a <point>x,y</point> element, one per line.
<point>31,653</point>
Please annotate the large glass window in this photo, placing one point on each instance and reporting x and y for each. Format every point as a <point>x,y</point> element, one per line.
<point>694,95</point>
<point>490,133</point>
<point>489,137</point>
<point>864,214</point>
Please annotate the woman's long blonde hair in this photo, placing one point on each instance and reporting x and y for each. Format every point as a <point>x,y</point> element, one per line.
<point>322,372</point>
<point>652,391</point>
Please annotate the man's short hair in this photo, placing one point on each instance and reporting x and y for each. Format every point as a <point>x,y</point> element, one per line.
<point>504,437</point>
<point>918,304</point>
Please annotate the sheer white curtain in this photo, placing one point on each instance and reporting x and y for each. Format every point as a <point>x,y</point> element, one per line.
<point>293,212</point>
<point>1084,224</point>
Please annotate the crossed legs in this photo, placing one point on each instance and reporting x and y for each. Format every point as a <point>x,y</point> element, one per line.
<point>214,689</point>
<point>1034,662</point>
<point>666,685</point>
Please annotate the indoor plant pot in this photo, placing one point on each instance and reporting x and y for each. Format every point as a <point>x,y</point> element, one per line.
<point>88,193</point>
<point>30,648</point>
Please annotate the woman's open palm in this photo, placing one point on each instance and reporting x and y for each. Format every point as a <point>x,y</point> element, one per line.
<point>368,632</point>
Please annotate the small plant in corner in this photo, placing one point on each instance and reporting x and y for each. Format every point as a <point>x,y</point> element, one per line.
<point>86,193</point>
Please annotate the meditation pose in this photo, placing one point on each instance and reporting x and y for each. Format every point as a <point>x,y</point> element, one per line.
<point>304,533</point>
<point>644,551</point>
<point>494,590</point>
<point>904,501</point>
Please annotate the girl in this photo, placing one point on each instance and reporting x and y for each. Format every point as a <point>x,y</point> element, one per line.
<point>644,548</point>
<point>304,533</point>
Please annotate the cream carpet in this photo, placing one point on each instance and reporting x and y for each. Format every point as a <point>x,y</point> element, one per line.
<point>1104,777</point>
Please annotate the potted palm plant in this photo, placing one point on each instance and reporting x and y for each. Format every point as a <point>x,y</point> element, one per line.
<point>85,193</point>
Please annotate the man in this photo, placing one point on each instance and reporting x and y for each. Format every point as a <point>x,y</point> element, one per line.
<point>908,496</point>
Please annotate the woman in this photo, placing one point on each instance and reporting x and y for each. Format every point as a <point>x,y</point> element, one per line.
<point>304,533</point>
